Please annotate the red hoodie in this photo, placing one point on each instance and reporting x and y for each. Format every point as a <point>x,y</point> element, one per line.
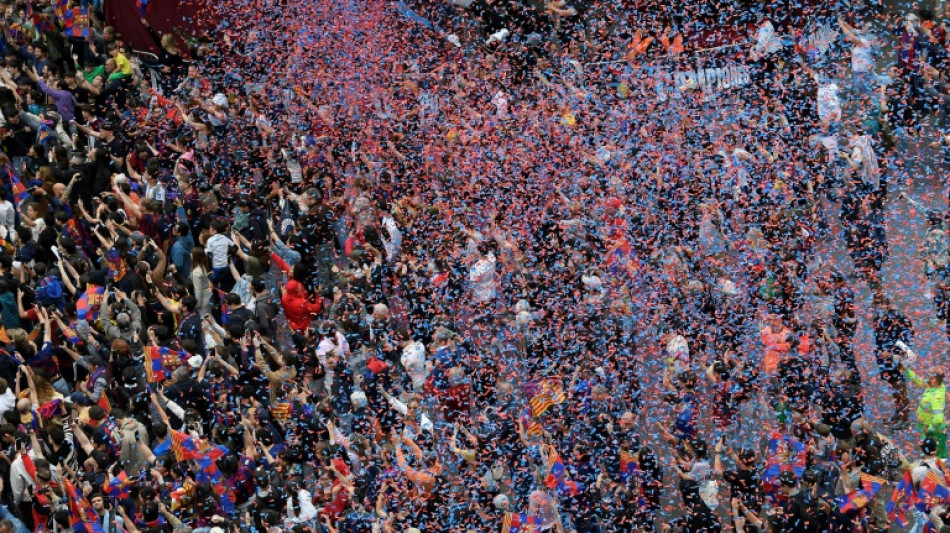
<point>297,308</point>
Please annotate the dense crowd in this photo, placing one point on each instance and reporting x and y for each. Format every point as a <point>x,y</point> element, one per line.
<point>401,267</point>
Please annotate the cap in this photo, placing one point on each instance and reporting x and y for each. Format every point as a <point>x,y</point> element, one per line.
<point>194,361</point>
<point>138,237</point>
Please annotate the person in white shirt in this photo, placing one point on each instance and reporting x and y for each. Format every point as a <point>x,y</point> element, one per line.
<point>219,248</point>
<point>7,212</point>
<point>414,361</point>
<point>7,397</point>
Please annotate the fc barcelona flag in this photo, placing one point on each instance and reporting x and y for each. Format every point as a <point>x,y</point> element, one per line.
<point>87,307</point>
<point>154,365</point>
<point>520,523</point>
<point>76,22</point>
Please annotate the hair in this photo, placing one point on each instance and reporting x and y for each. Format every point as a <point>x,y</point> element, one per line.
<point>199,258</point>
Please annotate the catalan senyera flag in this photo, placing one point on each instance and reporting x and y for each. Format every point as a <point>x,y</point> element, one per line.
<point>282,411</point>
<point>542,394</point>
<point>520,523</point>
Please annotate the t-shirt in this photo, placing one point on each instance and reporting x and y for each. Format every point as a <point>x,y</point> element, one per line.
<point>217,248</point>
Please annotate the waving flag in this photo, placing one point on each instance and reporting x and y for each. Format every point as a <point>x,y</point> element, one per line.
<point>520,523</point>
<point>154,365</point>
<point>628,465</point>
<point>87,307</point>
<point>557,477</point>
<point>81,514</point>
<point>118,486</point>
<point>70,334</point>
<point>104,402</point>
<point>531,426</point>
<point>143,7</point>
<point>186,490</point>
<point>112,434</point>
<point>50,409</point>
<point>542,394</point>
<point>858,499</point>
<point>19,190</point>
<point>784,454</point>
<point>902,498</point>
<point>160,361</point>
<point>225,313</point>
<point>282,411</point>
<point>933,488</point>
<point>76,22</point>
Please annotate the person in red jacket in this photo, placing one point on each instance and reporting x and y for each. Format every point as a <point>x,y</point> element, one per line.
<point>297,306</point>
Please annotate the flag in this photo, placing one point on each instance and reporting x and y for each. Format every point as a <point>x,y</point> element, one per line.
<point>282,411</point>
<point>520,523</point>
<point>42,22</point>
<point>859,498</point>
<point>557,477</point>
<point>50,409</point>
<point>76,22</point>
<point>182,494</point>
<point>71,335</point>
<point>901,499</point>
<point>854,500</point>
<point>224,308</point>
<point>784,454</point>
<point>628,465</point>
<point>60,8</point>
<point>19,190</point>
<point>531,426</point>
<point>542,394</point>
<point>871,484</point>
<point>81,514</point>
<point>186,447</point>
<point>160,361</point>
<point>143,7</point>
<point>154,365</point>
<point>87,307</point>
<point>104,403</point>
<point>112,434</point>
<point>28,465</point>
<point>933,487</point>
<point>182,446</point>
<point>118,486</point>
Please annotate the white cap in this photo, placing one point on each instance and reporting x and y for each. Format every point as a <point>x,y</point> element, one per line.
<point>220,100</point>
<point>120,178</point>
<point>194,361</point>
